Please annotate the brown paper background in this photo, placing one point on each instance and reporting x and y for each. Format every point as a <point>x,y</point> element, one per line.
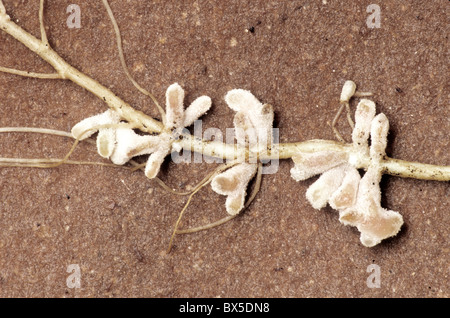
<point>295,55</point>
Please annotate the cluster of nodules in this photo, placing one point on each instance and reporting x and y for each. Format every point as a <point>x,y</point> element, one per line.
<point>340,185</point>
<point>117,140</point>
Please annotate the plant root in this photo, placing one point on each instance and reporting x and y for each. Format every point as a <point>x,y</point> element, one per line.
<point>202,183</point>
<point>224,220</point>
<point>124,65</point>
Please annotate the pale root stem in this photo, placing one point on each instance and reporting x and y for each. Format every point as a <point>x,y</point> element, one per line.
<point>256,188</point>
<point>415,170</point>
<point>30,74</point>
<point>45,163</point>
<point>363,94</point>
<point>38,163</point>
<point>208,226</point>
<point>179,219</point>
<point>66,157</point>
<point>163,185</point>
<point>206,179</point>
<point>138,166</point>
<point>168,189</point>
<point>394,167</point>
<point>343,105</point>
<point>198,188</point>
<point>124,65</point>
<point>35,130</point>
<point>224,220</point>
<point>346,95</point>
<point>147,124</point>
<point>349,116</point>
<point>142,121</point>
<point>41,23</point>
<point>43,131</point>
<point>334,122</point>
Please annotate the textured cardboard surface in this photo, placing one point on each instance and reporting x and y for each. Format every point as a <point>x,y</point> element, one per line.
<point>295,55</point>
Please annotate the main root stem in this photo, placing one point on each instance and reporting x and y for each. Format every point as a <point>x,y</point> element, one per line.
<point>213,149</point>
